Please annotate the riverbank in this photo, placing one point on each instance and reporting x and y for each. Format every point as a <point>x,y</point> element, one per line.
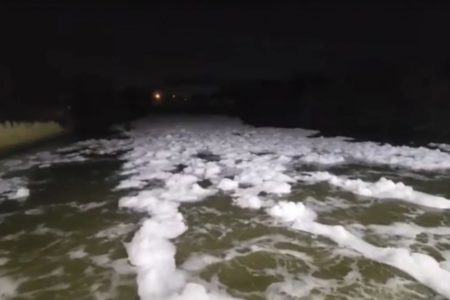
<point>16,135</point>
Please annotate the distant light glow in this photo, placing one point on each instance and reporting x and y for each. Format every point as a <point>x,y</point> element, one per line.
<point>157,97</point>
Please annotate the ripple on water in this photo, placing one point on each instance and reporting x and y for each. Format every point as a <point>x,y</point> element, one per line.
<point>67,239</point>
<point>270,262</point>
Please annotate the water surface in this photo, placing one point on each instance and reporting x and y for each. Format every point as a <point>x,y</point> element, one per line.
<point>67,239</point>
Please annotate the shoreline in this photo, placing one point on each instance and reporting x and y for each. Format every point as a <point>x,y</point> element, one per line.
<point>16,136</point>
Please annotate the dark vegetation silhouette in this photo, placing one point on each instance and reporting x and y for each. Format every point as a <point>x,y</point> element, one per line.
<point>374,99</point>
<point>86,102</point>
<point>95,105</point>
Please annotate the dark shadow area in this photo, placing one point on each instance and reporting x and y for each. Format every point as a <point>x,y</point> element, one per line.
<point>86,102</point>
<point>371,70</point>
<point>372,99</point>
<point>377,100</point>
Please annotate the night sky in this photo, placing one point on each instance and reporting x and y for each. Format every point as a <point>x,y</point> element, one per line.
<point>149,44</point>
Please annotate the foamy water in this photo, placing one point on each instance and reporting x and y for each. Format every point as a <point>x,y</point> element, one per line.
<point>209,208</point>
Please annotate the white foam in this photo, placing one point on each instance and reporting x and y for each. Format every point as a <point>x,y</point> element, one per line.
<point>13,236</point>
<point>3,261</point>
<point>405,235</point>
<point>78,152</point>
<point>77,254</point>
<point>444,147</point>
<point>198,292</point>
<point>21,194</point>
<point>42,229</point>
<point>227,184</point>
<point>253,167</point>
<point>446,263</point>
<point>122,266</point>
<point>249,201</point>
<point>115,231</point>
<point>157,274</point>
<point>408,230</point>
<point>294,289</point>
<point>90,205</point>
<point>421,267</point>
<point>199,262</point>
<point>278,188</point>
<point>102,260</point>
<point>383,189</point>
<point>14,188</point>
<point>289,142</point>
<point>8,288</point>
<point>34,211</point>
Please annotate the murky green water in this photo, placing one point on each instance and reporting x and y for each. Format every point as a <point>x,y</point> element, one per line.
<point>257,253</point>
<point>66,241</point>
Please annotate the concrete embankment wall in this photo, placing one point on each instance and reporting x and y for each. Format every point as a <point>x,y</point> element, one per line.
<point>18,134</point>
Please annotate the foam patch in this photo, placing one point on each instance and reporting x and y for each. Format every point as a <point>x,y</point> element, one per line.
<point>177,160</point>
<point>382,189</point>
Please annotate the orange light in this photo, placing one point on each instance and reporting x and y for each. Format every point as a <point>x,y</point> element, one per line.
<point>157,97</point>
